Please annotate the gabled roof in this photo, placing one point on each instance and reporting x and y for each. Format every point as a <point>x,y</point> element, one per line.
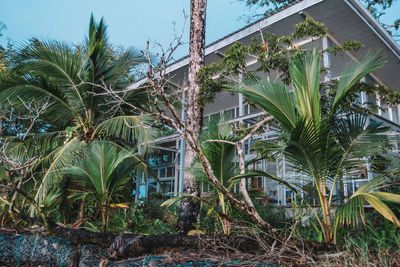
<point>344,19</point>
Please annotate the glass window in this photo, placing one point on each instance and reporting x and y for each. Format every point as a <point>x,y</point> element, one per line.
<point>171,171</point>
<point>142,191</point>
<point>152,188</point>
<point>256,182</point>
<point>245,109</point>
<point>162,172</point>
<point>214,117</point>
<point>289,197</point>
<point>206,120</point>
<point>371,100</point>
<point>359,99</point>
<point>229,114</point>
<point>270,167</point>
<point>167,187</point>
<point>385,109</point>
<point>395,113</point>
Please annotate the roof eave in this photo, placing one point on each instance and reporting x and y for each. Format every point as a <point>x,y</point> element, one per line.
<point>375,26</point>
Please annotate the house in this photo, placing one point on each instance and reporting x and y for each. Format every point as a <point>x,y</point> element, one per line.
<point>345,20</point>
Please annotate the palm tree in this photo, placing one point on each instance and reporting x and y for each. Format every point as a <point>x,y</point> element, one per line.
<point>73,81</point>
<point>221,156</point>
<point>104,170</point>
<point>325,147</point>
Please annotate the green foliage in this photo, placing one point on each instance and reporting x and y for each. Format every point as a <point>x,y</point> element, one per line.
<point>327,146</point>
<point>309,27</point>
<point>221,156</point>
<point>72,79</point>
<point>353,210</point>
<point>209,86</point>
<point>273,54</point>
<point>391,97</point>
<point>148,217</point>
<point>104,170</point>
<point>346,46</point>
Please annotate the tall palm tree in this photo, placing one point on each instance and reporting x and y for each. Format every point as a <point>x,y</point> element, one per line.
<point>325,147</point>
<point>72,79</point>
<point>103,170</point>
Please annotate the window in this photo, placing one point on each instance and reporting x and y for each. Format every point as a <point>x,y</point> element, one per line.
<point>229,114</point>
<point>385,109</point>
<point>162,172</point>
<point>214,117</point>
<point>395,113</point>
<point>151,188</point>
<point>371,99</point>
<point>171,171</point>
<point>246,109</point>
<point>167,187</point>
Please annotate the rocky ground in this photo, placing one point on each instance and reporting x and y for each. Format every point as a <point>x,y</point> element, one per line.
<point>40,250</point>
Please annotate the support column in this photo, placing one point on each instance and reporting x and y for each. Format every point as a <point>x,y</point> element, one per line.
<point>326,59</point>
<point>182,149</point>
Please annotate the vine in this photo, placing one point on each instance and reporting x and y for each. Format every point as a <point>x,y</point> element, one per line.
<point>273,53</point>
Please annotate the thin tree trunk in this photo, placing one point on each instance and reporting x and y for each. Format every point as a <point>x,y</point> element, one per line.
<point>341,189</point>
<point>243,187</point>
<point>327,220</point>
<point>105,219</point>
<point>14,197</point>
<point>81,214</point>
<point>194,112</point>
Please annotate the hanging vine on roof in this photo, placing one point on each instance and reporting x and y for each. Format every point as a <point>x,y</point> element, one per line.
<point>273,53</point>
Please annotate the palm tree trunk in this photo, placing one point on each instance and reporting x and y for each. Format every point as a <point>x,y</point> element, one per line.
<point>81,214</point>
<point>194,112</point>
<point>341,189</point>
<point>105,219</point>
<point>327,220</point>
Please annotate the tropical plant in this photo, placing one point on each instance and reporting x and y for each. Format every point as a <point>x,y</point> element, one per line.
<point>325,146</point>
<point>221,156</point>
<point>104,170</point>
<point>73,80</point>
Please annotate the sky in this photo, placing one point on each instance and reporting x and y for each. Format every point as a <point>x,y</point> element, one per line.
<point>130,22</point>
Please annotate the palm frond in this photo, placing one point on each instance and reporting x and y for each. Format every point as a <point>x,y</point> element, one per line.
<point>273,97</point>
<point>352,211</point>
<point>58,62</point>
<point>253,173</point>
<point>221,155</point>
<point>353,73</point>
<point>104,169</point>
<point>305,72</point>
<point>64,157</point>
<point>135,130</point>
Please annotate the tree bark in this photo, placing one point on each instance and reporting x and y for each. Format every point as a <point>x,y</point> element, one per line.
<point>128,245</point>
<point>194,112</point>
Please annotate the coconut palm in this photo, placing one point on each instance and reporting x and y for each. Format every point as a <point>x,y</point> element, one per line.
<point>103,170</point>
<point>71,79</point>
<point>218,145</point>
<point>325,147</point>
<point>221,156</point>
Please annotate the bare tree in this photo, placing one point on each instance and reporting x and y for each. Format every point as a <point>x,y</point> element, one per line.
<point>164,94</point>
<point>18,156</point>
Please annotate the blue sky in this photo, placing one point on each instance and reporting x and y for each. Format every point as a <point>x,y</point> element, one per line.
<point>131,22</point>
